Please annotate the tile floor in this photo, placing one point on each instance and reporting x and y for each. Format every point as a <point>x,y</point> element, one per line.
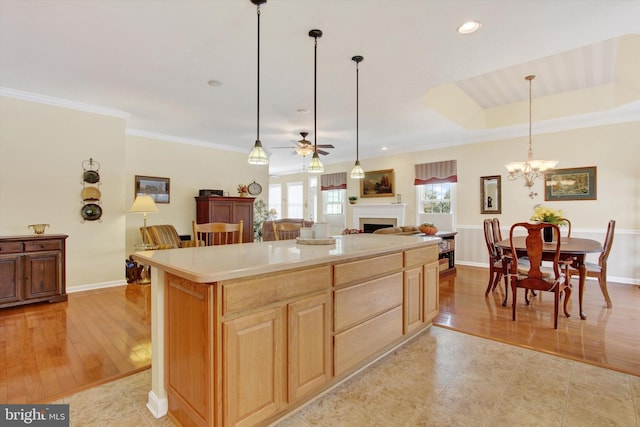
<point>441,378</point>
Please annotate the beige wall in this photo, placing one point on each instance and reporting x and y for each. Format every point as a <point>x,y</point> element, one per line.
<point>42,148</point>
<point>613,149</point>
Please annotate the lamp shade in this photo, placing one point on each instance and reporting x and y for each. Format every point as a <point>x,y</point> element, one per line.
<point>144,204</point>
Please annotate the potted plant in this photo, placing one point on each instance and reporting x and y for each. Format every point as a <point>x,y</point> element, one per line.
<point>242,190</point>
<point>352,200</point>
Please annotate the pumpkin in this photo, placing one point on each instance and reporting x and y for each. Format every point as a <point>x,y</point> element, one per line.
<point>428,228</point>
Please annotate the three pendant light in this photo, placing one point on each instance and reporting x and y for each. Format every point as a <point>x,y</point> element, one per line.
<point>258,155</point>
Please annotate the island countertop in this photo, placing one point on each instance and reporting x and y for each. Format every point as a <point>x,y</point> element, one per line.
<point>215,263</point>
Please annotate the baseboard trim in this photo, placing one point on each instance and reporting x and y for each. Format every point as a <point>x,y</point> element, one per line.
<point>158,407</point>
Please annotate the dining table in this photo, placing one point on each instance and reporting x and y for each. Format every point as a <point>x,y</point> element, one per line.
<point>573,248</point>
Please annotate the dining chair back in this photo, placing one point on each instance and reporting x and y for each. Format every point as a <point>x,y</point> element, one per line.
<point>217,233</point>
<point>599,270</point>
<point>533,275</point>
<point>565,223</point>
<point>497,268</point>
<point>286,230</point>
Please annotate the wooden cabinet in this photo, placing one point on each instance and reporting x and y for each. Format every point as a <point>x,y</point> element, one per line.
<point>413,290</point>
<point>32,269</point>
<point>421,287</point>
<point>431,302</point>
<point>227,209</point>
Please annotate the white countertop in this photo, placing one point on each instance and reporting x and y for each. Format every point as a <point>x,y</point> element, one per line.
<point>215,263</point>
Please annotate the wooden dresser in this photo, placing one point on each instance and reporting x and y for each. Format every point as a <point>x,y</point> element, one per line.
<point>227,209</point>
<point>32,269</point>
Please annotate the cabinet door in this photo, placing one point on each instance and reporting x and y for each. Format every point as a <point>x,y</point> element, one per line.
<point>413,285</point>
<point>43,275</point>
<point>253,367</point>
<point>431,291</point>
<point>309,345</point>
<point>244,211</point>
<point>10,278</point>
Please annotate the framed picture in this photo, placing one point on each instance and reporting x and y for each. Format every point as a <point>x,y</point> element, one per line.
<point>377,184</point>
<point>491,194</point>
<point>571,184</point>
<point>157,188</point>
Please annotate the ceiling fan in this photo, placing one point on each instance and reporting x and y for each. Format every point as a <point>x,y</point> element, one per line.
<point>304,148</point>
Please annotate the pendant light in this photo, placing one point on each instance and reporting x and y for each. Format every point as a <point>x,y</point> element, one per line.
<point>315,166</point>
<point>532,169</point>
<point>357,172</point>
<point>258,155</point>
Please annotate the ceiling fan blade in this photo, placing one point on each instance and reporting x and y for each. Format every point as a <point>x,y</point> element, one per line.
<point>283,147</point>
<point>325,146</point>
<point>324,153</point>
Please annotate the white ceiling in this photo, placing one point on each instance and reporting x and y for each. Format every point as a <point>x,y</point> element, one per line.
<point>152,60</point>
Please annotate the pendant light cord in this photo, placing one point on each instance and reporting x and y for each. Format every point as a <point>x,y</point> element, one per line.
<point>258,102</point>
<point>315,100</point>
<point>357,109</point>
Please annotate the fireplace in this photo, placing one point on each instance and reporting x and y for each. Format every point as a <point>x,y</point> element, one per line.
<point>372,217</point>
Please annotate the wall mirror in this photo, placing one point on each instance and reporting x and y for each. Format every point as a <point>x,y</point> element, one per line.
<point>490,194</point>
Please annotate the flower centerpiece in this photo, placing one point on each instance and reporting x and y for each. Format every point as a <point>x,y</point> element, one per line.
<point>353,199</point>
<point>242,190</point>
<point>545,214</point>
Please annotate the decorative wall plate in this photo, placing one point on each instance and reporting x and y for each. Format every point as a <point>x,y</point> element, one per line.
<point>91,176</point>
<point>91,193</point>
<point>91,212</point>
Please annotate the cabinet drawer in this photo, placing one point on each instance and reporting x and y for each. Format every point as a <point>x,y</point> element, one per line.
<point>360,302</point>
<point>10,247</point>
<point>356,344</point>
<point>254,293</point>
<point>357,271</point>
<point>42,245</point>
<point>421,256</point>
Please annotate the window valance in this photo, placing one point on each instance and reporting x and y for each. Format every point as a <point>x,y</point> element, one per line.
<point>333,181</point>
<point>436,172</point>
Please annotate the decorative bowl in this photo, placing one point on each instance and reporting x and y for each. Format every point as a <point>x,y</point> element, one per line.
<point>38,228</point>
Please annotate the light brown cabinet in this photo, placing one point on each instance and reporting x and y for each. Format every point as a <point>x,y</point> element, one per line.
<point>32,269</point>
<point>227,209</point>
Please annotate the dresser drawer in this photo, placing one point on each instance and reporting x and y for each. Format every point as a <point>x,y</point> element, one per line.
<point>253,293</point>
<point>363,269</point>
<point>356,344</point>
<point>10,247</point>
<point>421,256</point>
<point>356,303</point>
<point>42,245</point>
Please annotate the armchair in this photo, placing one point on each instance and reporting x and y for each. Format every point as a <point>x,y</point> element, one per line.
<point>165,237</point>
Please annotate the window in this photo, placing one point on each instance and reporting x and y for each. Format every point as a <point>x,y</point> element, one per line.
<point>295,200</point>
<point>275,198</point>
<point>334,202</point>
<point>436,198</point>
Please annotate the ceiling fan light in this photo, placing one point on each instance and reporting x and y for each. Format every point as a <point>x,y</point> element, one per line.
<point>258,156</point>
<point>315,166</point>
<point>357,172</point>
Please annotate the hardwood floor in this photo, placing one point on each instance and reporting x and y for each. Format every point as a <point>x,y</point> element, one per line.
<point>52,350</point>
<point>608,337</point>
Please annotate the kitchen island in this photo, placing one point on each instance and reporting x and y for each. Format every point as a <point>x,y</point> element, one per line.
<point>243,334</point>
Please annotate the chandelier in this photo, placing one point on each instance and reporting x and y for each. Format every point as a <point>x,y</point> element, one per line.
<point>532,169</point>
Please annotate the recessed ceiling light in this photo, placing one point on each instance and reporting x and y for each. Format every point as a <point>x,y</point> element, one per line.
<point>384,148</point>
<point>469,27</point>
<point>214,83</point>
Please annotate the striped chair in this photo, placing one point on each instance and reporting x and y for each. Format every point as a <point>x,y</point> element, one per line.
<point>164,237</point>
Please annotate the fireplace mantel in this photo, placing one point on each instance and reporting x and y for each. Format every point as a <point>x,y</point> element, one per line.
<point>394,211</point>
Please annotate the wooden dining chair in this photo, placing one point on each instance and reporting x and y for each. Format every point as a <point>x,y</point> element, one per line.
<point>599,270</point>
<point>217,233</point>
<point>497,269</point>
<point>533,275</point>
<point>286,230</point>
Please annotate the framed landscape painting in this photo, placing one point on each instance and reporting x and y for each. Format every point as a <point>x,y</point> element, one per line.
<point>377,184</point>
<point>571,184</point>
<point>156,187</point>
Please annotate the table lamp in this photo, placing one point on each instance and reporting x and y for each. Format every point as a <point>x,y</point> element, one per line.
<point>144,205</point>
